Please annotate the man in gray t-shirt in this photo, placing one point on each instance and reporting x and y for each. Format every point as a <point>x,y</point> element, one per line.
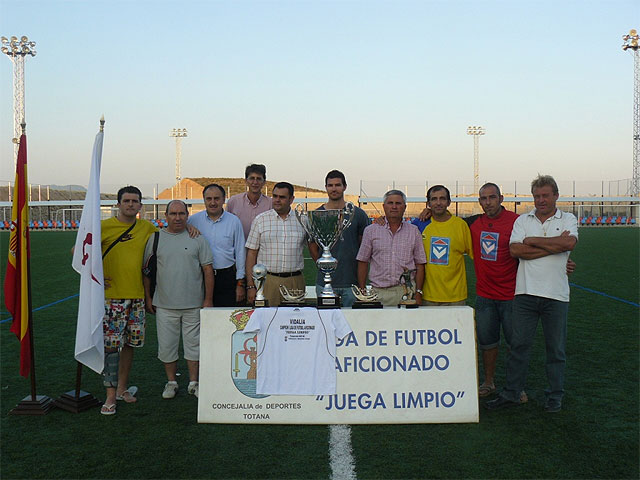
<point>184,286</point>
<point>346,248</point>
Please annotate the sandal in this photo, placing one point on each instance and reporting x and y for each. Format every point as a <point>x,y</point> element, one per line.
<point>486,390</point>
<point>108,409</point>
<point>128,395</point>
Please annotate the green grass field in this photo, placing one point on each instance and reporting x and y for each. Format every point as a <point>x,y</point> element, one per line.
<point>595,436</point>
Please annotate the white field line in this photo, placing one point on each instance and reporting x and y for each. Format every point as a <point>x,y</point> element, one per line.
<point>340,453</point>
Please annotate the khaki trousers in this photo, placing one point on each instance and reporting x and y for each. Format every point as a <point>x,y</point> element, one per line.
<point>390,296</point>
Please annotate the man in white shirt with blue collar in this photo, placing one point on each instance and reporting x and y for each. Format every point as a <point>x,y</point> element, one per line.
<point>542,240</point>
<point>223,231</point>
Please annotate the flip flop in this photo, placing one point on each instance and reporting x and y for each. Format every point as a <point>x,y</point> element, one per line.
<point>128,395</point>
<point>108,409</point>
<point>486,390</point>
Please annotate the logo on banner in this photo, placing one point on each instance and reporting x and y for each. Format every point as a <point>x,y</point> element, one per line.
<point>440,247</point>
<point>244,355</point>
<point>489,246</point>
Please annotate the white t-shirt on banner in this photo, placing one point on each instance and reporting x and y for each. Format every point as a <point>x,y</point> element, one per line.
<point>297,349</point>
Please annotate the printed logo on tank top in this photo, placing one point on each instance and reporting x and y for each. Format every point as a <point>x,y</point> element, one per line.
<point>439,252</point>
<point>489,246</point>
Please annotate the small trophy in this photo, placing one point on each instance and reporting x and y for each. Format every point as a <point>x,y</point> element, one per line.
<point>325,227</point>
<point>292,297</point>
<point>365,298</point>
<point>259,273</point>
<point>408,297</point>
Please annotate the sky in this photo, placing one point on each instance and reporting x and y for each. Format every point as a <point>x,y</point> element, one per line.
<point>382,90</point>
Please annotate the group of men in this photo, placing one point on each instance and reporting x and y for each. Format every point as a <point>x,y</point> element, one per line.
<point>200,262</point>
<point>521,265</point>
<point>207,260</point>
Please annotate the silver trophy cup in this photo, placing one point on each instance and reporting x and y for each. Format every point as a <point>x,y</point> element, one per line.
<point>259,273</point>
<point>325,227</point>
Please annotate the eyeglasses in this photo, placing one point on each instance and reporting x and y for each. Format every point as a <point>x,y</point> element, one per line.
<point>255,179</point>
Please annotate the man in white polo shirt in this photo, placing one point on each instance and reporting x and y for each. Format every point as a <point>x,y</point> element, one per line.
<point>542,240</point>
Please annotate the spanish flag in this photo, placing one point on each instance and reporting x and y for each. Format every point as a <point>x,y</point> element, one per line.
<point>16,282</point>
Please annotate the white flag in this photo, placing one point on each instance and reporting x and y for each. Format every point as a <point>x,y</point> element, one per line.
<point>87,261</point>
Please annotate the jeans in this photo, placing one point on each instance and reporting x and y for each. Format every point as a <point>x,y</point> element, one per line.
<point>345,293</point>
<point>527,310</point>
<point>490,314</point>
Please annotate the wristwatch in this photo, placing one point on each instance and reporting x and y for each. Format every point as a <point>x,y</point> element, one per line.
<point>420,292</point>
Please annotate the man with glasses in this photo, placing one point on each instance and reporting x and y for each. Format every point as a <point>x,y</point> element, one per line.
<point>247,206</point>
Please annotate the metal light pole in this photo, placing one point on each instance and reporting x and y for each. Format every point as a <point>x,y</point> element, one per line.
<point>16,49</point>
<point>631,43</point>
<point>178,134</point>
<point>476,132</point>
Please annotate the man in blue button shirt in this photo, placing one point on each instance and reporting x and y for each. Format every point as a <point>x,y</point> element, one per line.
<point>223,231</point>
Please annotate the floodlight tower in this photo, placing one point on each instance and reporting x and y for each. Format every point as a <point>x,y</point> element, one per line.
<point>178,134</point>
<point>631,43</point>
<point>476,132</point>
<point>16,49</point>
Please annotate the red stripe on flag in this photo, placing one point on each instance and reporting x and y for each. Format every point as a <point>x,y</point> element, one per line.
<point>16,282</point>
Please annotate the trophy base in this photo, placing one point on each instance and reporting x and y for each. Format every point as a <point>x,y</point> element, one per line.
<point>329,302</point>
<point>285,303</point>
<point>359,304</point>
<point>408,304</point>
<point>260,303</point>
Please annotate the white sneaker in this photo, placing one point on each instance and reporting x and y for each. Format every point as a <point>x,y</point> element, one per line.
<point>170,390</point>
<point>193,388</point>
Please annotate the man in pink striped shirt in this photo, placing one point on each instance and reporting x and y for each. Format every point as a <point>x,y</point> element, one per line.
<point>248,205</point>
<point>389,250</point>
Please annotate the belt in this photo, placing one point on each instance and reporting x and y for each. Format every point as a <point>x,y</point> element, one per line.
<point>224,270</point>
<point>286,274</point>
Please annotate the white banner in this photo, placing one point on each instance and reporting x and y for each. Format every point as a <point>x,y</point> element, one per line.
<point>398,366</point>
<point>87,261</point>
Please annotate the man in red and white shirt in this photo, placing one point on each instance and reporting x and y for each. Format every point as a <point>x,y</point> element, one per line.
<point>276,240</point>
<point>389,250</point>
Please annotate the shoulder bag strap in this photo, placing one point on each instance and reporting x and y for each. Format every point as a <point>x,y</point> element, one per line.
<point>119,239</point>
<point>156,237</point>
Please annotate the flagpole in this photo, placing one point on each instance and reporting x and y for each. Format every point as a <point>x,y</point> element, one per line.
<point>76,401</point>
<point>39,404</point>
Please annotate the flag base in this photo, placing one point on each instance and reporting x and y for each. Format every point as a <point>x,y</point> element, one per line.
<point>69,402</point>
<point>40,406</point>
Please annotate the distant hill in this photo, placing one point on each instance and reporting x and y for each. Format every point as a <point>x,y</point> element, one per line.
<point>238,185</point>
<point>192,188</point>
<point>73,188</point>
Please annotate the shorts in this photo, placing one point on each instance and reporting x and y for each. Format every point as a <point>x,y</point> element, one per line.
<point>170,322</point>
<point>489,315</point>
<point>123,322</point>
